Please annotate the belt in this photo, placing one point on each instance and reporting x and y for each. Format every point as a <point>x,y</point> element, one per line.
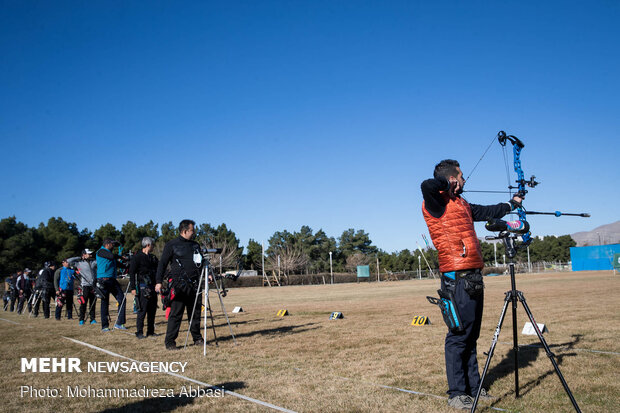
<point>453,274</point>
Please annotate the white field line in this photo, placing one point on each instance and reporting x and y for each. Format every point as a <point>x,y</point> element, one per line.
<point>9,321</point>
<point>232,393</point>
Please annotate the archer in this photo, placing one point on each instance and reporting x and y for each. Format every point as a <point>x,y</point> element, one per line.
<point>450,220</point>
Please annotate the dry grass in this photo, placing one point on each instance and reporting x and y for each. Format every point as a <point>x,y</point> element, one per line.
<point>306,363</point>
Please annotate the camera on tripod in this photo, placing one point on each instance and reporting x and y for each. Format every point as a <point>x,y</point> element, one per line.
<point>207,252</point>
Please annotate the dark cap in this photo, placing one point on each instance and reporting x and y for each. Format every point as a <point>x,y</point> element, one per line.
<point>109,241</point>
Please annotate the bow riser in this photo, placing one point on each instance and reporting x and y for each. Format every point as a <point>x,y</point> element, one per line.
<point>517,146</point>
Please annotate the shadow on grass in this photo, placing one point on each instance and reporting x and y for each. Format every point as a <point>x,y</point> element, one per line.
<point>231,385</point>
<point>527,387</point>
<point>235,322</point>
<point>232,322</point>
<point>295,329</point>
<point>527,355</point>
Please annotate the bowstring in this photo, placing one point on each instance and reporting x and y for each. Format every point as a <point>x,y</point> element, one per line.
<point>479,160</point>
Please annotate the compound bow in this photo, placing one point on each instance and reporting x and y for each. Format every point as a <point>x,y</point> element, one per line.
<point>522,183</point>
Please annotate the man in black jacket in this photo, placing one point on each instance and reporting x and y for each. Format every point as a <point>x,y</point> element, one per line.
<point>183,255</point>
<point>142,270</point>
<point>45,286</point>
<point>24,288</point>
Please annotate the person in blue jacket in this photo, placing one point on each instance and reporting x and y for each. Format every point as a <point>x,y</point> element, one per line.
<point>65,291</point>
<point>107,283</point>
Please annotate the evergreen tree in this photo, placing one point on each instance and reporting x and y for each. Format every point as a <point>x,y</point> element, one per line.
<point>351,242</point>
<point>133,234</point>
<point>106,231</point>
<point>253,256</point>
<point>59,239</point>
<point>17,246</point>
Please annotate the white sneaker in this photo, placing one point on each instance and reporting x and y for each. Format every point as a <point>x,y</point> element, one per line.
<point>463,402</point>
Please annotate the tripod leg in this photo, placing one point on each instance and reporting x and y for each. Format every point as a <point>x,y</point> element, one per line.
<point>208,308</point>
<point>194,308</point>
<point>515,342</point>
<point>212,322</point>
<point>205,300</point>
<point>225,314</point>
<point>498,329</point>
<point>548,350</point>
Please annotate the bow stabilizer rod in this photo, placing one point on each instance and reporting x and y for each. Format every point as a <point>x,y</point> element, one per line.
<point>559,214</point>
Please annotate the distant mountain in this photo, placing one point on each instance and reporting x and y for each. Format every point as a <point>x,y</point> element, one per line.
<point>605,234</point>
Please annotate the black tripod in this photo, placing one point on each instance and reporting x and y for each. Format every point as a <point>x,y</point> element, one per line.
<point>512,296</point>
<point>207,276</point>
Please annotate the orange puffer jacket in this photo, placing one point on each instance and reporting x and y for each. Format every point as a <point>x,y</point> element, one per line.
<point>454,236</point>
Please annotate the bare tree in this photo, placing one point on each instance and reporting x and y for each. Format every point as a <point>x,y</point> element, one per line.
<point>229,255</point>
<point>291,259</point>
<point>356,259</point>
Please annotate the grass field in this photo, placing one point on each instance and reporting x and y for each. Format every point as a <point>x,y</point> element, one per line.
<point>307,363</point>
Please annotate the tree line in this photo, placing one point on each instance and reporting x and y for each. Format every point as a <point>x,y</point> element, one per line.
<point>299,252</point>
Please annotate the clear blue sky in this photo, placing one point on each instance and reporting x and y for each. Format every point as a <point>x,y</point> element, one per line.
<point>270,115</point>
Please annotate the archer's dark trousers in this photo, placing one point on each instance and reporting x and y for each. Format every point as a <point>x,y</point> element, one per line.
<point>88,292</point>
<point>148,307</point>
<point>24,298</point>
<point>460,348</point>
<point>111,286</point>
<point>178,306</point>
<point>46,295</point>
<point>68,305</point>
<point>14,300</point>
